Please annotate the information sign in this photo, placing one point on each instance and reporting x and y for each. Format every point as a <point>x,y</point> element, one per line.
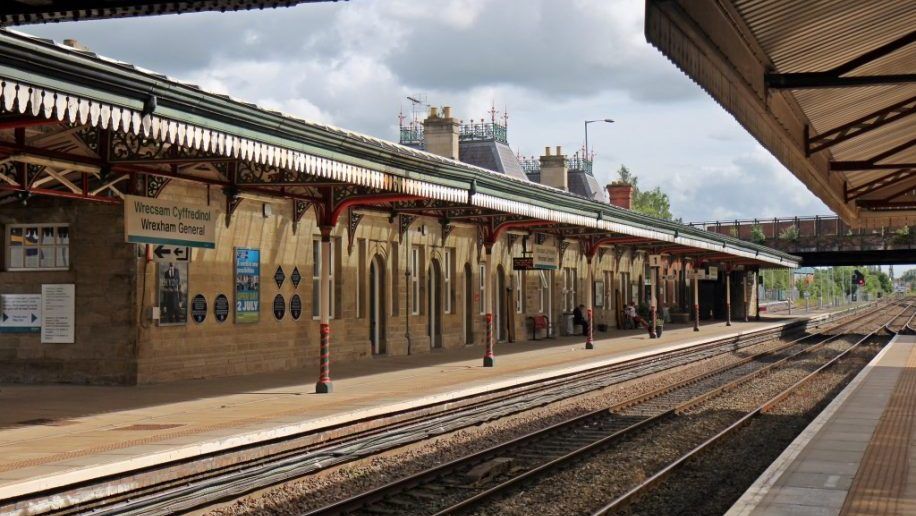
<point>20,313</point>
<point>58,313</point>
<point>247,285</point>
<point>295,306</point>
<point>199,308</point>
<point>279,307</point>
<point>155,221</point>
<point>221,308</point>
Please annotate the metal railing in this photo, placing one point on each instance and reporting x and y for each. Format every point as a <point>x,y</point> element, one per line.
<point>533,165</point>
<point>484,132</point>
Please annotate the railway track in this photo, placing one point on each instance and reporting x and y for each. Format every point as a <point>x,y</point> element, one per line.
<point>461,485</point>
<point>626,501</point>
<point>212,479</point>
<point>902,323</point>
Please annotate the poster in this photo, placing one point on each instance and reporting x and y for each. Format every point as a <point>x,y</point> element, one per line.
<point>58,313</point>
<point>247,285</point>
<point>20,313</point>
<point>599,294</point>
<point>173,292</point>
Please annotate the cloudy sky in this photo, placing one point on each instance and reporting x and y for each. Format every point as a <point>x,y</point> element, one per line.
<point>551,63</point>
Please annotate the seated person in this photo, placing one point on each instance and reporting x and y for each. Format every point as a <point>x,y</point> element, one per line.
<point>579,318</point>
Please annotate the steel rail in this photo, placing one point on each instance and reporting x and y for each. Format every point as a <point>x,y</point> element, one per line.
<point>163,496</point>
<point>392,489</point>
<point>902,328</point>
<point>633,494</point>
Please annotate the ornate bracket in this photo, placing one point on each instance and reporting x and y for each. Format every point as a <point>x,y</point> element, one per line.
<point>155,184</point>
<point>510,241</point>
<point>562,246</point>
<point>446,230</point>
<point>353,220</point>
<point>232,202</point>
<point>299,209</point>
<point>601,252</point>
<point>404,222</point>
<point>540,238</point>
<point>481,237</point>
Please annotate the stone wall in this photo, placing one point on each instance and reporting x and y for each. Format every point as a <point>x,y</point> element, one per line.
<point>102,268</point>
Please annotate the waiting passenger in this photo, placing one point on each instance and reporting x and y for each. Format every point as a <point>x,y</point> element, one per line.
<point>579,318</point>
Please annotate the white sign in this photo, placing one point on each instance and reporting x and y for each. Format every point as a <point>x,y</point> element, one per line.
<point>699,274</point>
<point>545,257</point>
<point>59,319</point>
<point>151,221</point>
<point>171,253</point>
<point>20,313</point>
<point>713,273</point>
<point>656,260</point>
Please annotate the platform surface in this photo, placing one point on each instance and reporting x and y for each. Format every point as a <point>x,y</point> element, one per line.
<point>53,435</point>
<point>858,456</point>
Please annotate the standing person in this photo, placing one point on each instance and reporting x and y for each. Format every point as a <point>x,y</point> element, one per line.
<point>631,315</point>
<point>172,285</point>
<point>579,318</point>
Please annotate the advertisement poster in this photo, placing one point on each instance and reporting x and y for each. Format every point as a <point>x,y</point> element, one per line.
<point>173,292</point>
<point>247,285</point>
<point>58,309</point>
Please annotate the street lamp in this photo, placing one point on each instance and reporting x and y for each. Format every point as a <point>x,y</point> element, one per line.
<point>608,120</point>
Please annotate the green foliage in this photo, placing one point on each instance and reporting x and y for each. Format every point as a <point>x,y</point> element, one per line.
<point>757,235</point>
<point>790,233</point>
<point>654,203</point>
<point>902,236</point>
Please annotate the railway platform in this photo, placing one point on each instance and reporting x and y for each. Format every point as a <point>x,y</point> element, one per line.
<point>57,435</point>
<point>858,456</point>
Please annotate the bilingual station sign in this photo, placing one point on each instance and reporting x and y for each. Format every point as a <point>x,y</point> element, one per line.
<point>154,221</point>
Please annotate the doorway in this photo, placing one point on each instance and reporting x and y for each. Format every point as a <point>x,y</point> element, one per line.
<point>434,287</point>
<point>468,305</point>
<point>501,305</point>
<point>377,305</point>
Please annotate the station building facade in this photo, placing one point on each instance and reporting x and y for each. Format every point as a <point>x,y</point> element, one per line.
<point>353,247</point>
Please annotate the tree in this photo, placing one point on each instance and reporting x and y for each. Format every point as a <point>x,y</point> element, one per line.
<point>654,203</point>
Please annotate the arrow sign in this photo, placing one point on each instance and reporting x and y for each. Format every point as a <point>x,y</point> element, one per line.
<point>166,253</point>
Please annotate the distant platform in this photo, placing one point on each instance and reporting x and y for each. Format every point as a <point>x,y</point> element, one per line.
<point>858,456</point>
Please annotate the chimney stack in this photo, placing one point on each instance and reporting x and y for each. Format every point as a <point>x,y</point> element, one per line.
<point>553,169</point>
<point>621,195</point>
<point>441,133</point>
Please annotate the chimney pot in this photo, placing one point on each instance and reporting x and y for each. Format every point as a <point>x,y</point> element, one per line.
<point>447,112</point>
<point>547,151</point>
<point>433,112</point>
<point>559,150</point>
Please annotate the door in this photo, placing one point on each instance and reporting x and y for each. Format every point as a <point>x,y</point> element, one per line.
<point>434,287</point>
<point>377,305</point>
<point>468,305</point>
<point>501,306</point>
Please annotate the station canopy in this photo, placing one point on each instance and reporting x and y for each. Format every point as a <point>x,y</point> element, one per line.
<point>77,125</point>
<point>21,12</point>
<point>828,87</point>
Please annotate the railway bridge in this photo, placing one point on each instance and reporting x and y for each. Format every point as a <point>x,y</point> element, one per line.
<point>822,240</point>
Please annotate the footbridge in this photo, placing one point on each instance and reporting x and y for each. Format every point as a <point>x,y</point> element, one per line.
<point>824,239</point>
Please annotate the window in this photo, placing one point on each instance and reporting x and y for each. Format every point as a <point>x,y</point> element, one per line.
<point>447,275</point>
<point>316,280</point>
<point>569,288</point>
<point>482,287</point>
<point>519,290</point>
<point>34,247</point>
<point>415,280</point>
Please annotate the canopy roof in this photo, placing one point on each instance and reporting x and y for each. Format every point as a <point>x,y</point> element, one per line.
<point>50,81</point>
<point>21,12</point>
<point>828,87</point>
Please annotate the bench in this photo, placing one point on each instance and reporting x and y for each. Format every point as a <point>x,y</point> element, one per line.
<point>538,322</point>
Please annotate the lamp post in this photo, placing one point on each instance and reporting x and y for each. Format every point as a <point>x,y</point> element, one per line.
<point>607,120</point>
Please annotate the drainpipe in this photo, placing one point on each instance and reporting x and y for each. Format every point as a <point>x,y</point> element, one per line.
<point>409,291</point>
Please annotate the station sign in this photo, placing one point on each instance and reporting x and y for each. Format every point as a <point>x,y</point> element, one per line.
<point>699,274</point>
<point>656,260</point>
<point>154,221</point>
<point>544,257</point>
<point>171,253</point>
<point>713,273</point>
